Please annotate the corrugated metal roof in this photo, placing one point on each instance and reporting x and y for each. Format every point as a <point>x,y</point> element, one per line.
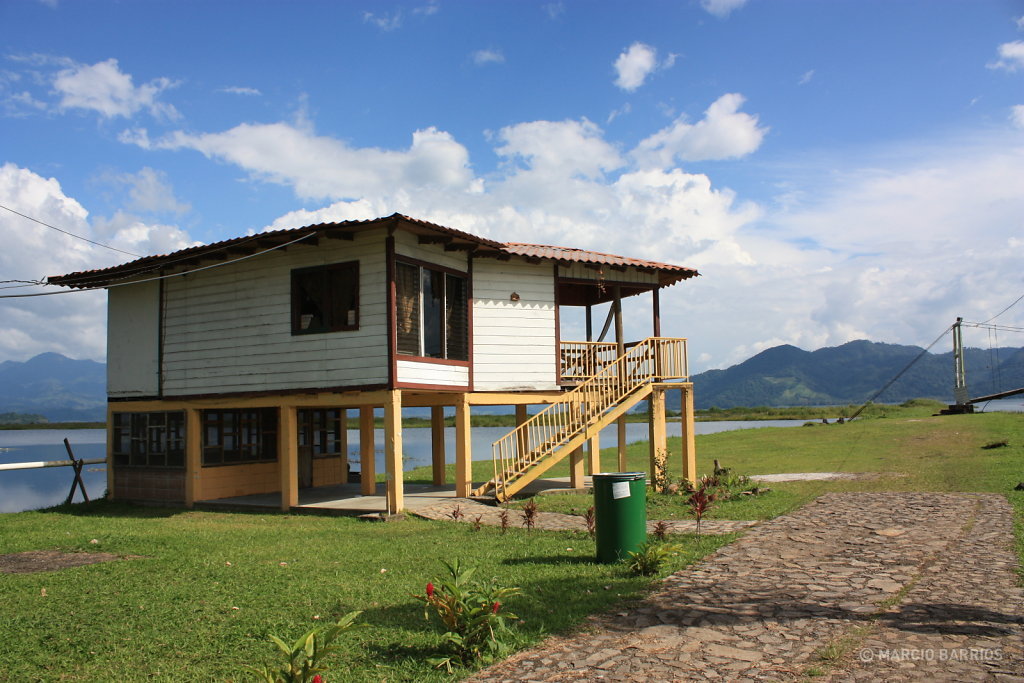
<point>105,277</point>
<point>572,255</point>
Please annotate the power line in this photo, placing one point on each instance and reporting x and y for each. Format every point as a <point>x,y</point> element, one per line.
<point>71,234</point>
<point>162,277</point>
<point>1017,301</point>
<point>900,373</point>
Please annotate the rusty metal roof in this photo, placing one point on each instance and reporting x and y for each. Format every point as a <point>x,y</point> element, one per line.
<point>669,273</point>
<point>310,234</point>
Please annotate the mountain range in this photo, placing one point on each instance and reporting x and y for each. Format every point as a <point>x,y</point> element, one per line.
<point>63,389</point>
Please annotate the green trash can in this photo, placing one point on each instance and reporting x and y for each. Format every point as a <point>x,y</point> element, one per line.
<point>620,512</point>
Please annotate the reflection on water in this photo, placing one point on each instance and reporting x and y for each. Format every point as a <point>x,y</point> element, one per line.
<point>29,489</point>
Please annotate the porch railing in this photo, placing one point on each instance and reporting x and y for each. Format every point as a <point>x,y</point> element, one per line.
<point>582,360</point>
<point>546,435</point>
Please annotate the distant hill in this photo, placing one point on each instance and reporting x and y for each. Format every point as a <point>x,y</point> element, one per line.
<point>55,386</point>
<point>852,373</point>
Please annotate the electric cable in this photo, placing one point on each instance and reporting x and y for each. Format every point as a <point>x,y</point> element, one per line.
<point>70,234</point>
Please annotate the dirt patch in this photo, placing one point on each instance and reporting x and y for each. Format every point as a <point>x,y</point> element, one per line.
<point>49,561</point>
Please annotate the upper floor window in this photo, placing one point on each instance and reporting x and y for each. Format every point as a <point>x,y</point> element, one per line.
<point>325,298</point>
<point>431,311</point>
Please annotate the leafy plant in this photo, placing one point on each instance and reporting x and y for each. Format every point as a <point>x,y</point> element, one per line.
<point>650,557</point>
<point>472,615</point>
<point>306,654</point>
<point>530,511</point>
<point>477,522</point>
<point>590,519</point>
<point>456,514</point>
<point>700,502</point>
<point>660,529</point>
<point>503,518</point>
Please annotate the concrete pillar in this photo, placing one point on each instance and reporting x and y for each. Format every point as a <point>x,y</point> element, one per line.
<point>576,468</point>
<point>437,444</point>
<point>343,444</point>
<point>288,456</point>
<point>367,465</point>
<point>689,443</point>
<point>463,449</point>
<point>659,437</point>
<point>193,457</point>
<point>594,453</point>
<point>393,452</point>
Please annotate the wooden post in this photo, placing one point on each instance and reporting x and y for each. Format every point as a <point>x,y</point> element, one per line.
<point>594,453</point>
<point>659,439</point>
<point>689,444</point>
<point>437,445</point>
<point>621,349</point>
<point>576,468</point>
<point>343,444</point>
<point>193,456</point>
<point>521,441</point>
<point>463,449</point>
<point>110,458</point>
<point>393,451</point>
<point>367,464</point>
<point>656,306</point>
<point>288,456</point>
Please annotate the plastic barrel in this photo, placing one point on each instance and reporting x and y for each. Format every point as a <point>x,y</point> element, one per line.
<point>620,513</point>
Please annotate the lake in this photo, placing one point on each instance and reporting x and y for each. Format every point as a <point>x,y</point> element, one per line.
<point>29,489</point>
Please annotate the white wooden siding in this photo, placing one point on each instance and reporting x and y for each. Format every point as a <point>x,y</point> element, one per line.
<point>229,329</point>
<point>433,373</point>
<point>514,342</point>
<point>133,329</point>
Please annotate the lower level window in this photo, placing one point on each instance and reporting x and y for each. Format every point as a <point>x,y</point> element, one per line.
<point>231,437</point>
<point>149,439</point>
<point>320,431</point>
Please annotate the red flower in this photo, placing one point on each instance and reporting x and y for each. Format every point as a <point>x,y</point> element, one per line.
<point>317,679</point>
<point>496,607</point>
<point>430,590</point>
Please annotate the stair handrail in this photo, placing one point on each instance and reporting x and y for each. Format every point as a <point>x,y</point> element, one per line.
<point>654,358</point>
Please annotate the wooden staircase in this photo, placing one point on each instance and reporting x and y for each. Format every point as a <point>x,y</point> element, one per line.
<point>545,439</point>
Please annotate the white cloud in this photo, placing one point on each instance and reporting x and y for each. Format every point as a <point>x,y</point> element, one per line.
<point>806,77</point>
<point>482,57</point>
<point>32,251</point>
<point>554,10</point>
<point>723,133</point>
<point>563,149</point>
<point>104,88</point>
<point>240,90</point>
<point>722,8</point>
<point>1011,56</point>
<point>634,66</point>
<point>1020,22</point>
<point>385,22</point>
<point>1017,115</point>
<point>326,168</point>
<point>149,191</point>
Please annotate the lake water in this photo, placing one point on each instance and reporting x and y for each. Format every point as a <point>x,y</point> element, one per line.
<point>28,489</point>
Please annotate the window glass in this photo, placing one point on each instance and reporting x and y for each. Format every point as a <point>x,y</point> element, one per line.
<point>149,439</point>
<point>325,298</point>
<point>431,313</point>
<point>407,308</point>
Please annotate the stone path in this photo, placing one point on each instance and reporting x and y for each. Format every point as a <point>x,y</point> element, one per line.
<point>851,587</point>
<point>469,511</point>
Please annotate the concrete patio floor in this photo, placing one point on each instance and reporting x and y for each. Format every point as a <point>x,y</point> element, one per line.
<point>347,499</point>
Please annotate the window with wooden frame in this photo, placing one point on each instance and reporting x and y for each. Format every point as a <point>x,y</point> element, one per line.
<point>234,437</point>
<point>320,431</point>
<point>149,439</point>
<point>325,298</point>
<point>431,311</point>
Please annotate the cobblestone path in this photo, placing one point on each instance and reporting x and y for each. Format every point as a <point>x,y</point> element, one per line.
<point>470,510</point>
<point>851,587</point>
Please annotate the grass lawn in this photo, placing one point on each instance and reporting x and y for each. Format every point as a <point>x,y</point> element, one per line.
<point>199,592</point>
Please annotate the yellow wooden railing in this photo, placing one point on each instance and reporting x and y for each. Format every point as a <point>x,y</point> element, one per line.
<point>534,446</point>
<point>582,360</point>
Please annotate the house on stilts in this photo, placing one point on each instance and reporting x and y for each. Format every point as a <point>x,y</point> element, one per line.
<point>233,367</point>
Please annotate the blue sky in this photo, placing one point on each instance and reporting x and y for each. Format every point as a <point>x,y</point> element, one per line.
<point>835,169</point>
